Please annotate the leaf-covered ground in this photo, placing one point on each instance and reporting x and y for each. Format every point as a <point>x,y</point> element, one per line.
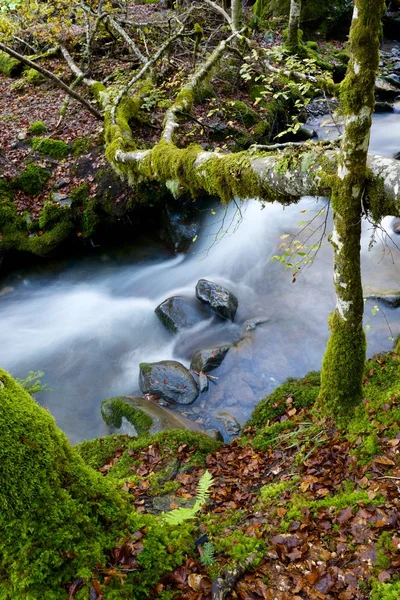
<point>316,507</point>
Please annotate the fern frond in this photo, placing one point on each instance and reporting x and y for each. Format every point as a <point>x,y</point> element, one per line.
<point>179,515</point>
<point>204,488</point>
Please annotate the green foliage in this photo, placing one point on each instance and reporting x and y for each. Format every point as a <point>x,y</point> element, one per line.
<point>179,515</point>
<point>238,546</point>
<point>385,591</point>
<point>50,147</point>
<point>33,77</point>
<point>37,127</point>
<point>32,180</point>
<point>81,146</point>
<point>32,383</point>
<point>114,409</point>
<point>9,66</point>
<point>9,5</point>
<point>207,558</point>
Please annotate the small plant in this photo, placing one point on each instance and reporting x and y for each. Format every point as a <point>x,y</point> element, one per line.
<point>207,558</point>
<point>179,515</point>
<point>32,383</point>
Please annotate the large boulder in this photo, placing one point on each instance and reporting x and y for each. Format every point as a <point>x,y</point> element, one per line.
<point>178,313</point>
<point>221,300</point>
<point>169,380</point>
<point>208,358</point>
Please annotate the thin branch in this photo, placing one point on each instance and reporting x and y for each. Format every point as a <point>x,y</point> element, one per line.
<point>53,78</point>
<point>219,9</point>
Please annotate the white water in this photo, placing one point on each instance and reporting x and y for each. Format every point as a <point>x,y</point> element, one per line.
<point>88,323</point>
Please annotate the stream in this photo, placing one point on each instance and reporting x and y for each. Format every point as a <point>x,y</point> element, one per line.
<point>89,322</point>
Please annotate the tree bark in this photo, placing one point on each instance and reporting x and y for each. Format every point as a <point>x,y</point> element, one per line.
<point>343,363</point>
<point>292,42</point>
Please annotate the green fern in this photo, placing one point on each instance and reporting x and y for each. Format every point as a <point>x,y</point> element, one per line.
<point>179,515</point>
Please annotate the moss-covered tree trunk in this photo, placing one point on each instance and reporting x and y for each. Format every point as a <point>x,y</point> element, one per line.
<point>237,15</point>
<point>292,42</point>
<point>343,363</point>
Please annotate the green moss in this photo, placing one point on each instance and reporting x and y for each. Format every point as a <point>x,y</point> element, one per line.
<point>240,111</point>
<point>114,409</point>
<point>268,436</point>
<point>269,493</point>
<point>342,368</point>
<point>33,77</point>
<point>303,392</point>
<point>81,146</point>
<point>312,45</point>
<point>32,180</point>
<point>37,127</point>
<point>343,499</point>
<point>10,66</point>
<point>383,546</point>
<point>385,591</point>
<point>52,503</point>
<point>50,147</point>
<point>237,546</point>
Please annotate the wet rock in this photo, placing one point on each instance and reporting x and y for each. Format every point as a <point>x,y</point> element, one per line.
<point>385,90</point>
<point>252,324</point>
<point>215,435</point>
<point>203,382</point>
<point>394,79</point>
<point>390,298</point>
<point>178,313</point>
<point>230,423</point>
<point>169,380</point>
<point>222,301</point>
<point>62,199</point>
<point>208,359</point>
<point>383,107</point>
<point>397,156</point>
<point>60,184</point>
<point>180,223</point>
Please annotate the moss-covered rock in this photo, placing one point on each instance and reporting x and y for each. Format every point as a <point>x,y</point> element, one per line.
<point>113,410</point>
<point>32,180</point>
<point>50,147</point>
<point>34,77</point>
<point>80,146</point>
<point>37,128</point>
<point>10,66</point>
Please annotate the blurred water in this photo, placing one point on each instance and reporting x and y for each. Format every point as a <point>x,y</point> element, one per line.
<point>88,323</point>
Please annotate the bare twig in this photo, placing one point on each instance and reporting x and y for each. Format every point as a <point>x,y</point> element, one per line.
<point>53,78</point>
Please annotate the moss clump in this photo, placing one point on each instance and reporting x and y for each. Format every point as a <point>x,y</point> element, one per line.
<point>114,409</point>
<point>52,503</point>
<point>50,147</point>
<point>238,546</point>
<point>32,180</point>
<point>33,77</point>
<point>37,127</point>
<point>385,591</point>
<point>10,66</point>
<point>81,146</point>
<point>303,392</point>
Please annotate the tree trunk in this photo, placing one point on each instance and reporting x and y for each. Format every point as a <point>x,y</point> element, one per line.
<point>292,42</point>
<point>343,363</point>
<point>237,15</point>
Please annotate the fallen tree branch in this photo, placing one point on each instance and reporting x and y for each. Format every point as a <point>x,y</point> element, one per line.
<point>54,78</point>
<point>223,585</point>
<point>219,9</point>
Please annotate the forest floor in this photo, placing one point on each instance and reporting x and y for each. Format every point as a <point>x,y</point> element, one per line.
<point>317,508</point>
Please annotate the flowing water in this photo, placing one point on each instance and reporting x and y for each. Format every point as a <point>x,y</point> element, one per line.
<point>89,322</point>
